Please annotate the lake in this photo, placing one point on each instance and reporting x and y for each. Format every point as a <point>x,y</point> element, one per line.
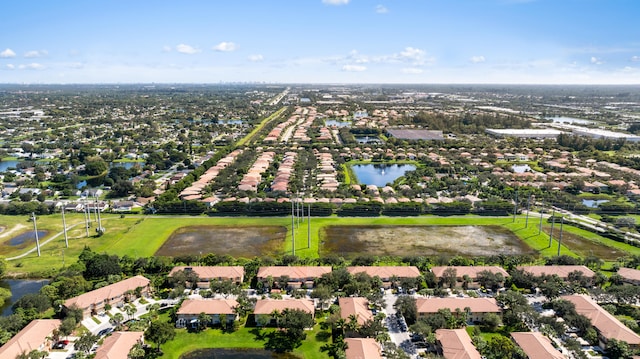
<point>19,288</point>
<point>520,168</point>
<point>593,203</point>
<point>239,353</point>
<point>572,120</point>
<point>337,123</point>
<point>368,139</point>
<point>25,237</point>
<point>127,165</point>
<point>380,174</point>
<point>5,165</point>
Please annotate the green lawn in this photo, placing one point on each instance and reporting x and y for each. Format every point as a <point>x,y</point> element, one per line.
<point>142,236</point>
<point>186,342</point>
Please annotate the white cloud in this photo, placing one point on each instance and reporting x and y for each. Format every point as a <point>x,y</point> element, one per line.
<point>414,56</point>
<point>31,66</point>
<point>225,47</point>
<point>11,66</point>
<point>186,49</point>
<point>256,58</point>
<point>635,58</point>
<point>381,9</point>
<point>36,53</point>
<point>7,53</point>
<point>596,61</point>
<point>354,68</point>
<point>412,70</point>
<point>335,2</point>
<point>166,48</point>
<point>477,59</point>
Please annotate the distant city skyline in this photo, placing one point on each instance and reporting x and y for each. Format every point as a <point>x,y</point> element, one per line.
<point>321,41</point>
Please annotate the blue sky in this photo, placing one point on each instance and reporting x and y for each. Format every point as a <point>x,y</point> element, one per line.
<point>321,41</point>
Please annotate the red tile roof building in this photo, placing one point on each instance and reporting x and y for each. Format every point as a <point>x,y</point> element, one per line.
<point>608,326</point>
<point>536,346</point>
<point>362,348</point>
<point>386,273</point>
<point>560,271</point>
<point>208,273</point>
<point>35,336</point>
<point>630,275</point>
<point>118,345</point>
<point>456,344</point>
<point>356,306</point>
<point>113,294</point>
<point>479,306</point>
<point>471,271</point>
<point>191,309</point>
<point>299,276</point>
<point>265,308</point>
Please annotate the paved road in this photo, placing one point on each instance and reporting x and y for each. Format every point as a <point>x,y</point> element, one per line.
<point>399,335</point>
<point>43,243</point>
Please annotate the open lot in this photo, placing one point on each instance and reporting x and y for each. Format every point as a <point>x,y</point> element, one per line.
<point>249,241</point>
<point>423,240</point>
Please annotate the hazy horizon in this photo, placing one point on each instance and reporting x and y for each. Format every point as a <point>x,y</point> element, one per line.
<point>467,42</point>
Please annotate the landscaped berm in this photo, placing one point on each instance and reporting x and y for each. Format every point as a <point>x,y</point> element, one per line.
<point>235,241</point>
<point>422,240</point>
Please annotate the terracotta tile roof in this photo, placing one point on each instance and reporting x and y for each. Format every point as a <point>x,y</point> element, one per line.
<point>213,272</point>
<point>386,272</point>
<point>299,272</point>
<point>29,338</point>
<point>207,306</point>
<point>608,326</point>
<point>267,306</point>
<point>111,291</point>
<point>357,306</point>
<point>471,271</point>
<point>629,274</point>
<point>560,271</point>
<point>362,348</point>
<point>477,305</point>
<point>536,345</point>
<point>118,345</point>
<point>456,344</point>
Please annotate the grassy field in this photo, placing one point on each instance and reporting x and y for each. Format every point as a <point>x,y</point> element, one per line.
<point>186,342</point>
<point>141,236</point>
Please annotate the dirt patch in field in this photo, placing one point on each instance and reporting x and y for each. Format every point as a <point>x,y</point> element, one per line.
<point>421,240</point>
<point>583,246</point>
<point>235,241</point>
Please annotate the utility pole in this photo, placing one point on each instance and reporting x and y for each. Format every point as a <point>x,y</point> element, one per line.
<point>85,210</point>
<point>35,232</point>
<point>309,227</point>
<point>560,239</point>
<point>64,228</point>
<point>540,226</point>
<point>515,207</point>
<point>526,222</point>
<point>100,228</point>
<point>553,221</point>
<point>293,230</point>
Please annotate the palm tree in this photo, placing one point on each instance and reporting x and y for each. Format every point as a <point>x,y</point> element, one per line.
<point>117,320</point>
<point>130,310</point>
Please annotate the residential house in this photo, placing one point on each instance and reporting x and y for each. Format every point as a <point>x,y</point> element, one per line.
<point>387,273</point>
<point>561,271</point>
<point>208,273</point>
<point>190,309</point>
<point>608,326</point>
<point>470,271</point>
<point>456,344</point>
<point>35,336</point>
<point>265,308</point>
<point>356,307</point>
<point>536,346</point>
<point>362,348</point>
<point>630,275</point>
<point>297,276</point>
<point>478,307</point>
<point>115,294</point>
<point>118,345</point>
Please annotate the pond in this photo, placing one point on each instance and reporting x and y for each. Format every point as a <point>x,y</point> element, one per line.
<point>368,139</point>
<point>230,122</point>
<point>127,165</point>
<point>5,165</point>
<point>520,168</point>
<point>19,288</point>
<point>421,240</point>
<point>593,203</point>
<point>380,174</point>
<point>571,120</point>
<point>26,237</point>
<point>238,353</point>
<point>337,123</point>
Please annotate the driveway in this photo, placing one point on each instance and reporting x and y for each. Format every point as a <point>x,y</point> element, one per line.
<point>398,330</point>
